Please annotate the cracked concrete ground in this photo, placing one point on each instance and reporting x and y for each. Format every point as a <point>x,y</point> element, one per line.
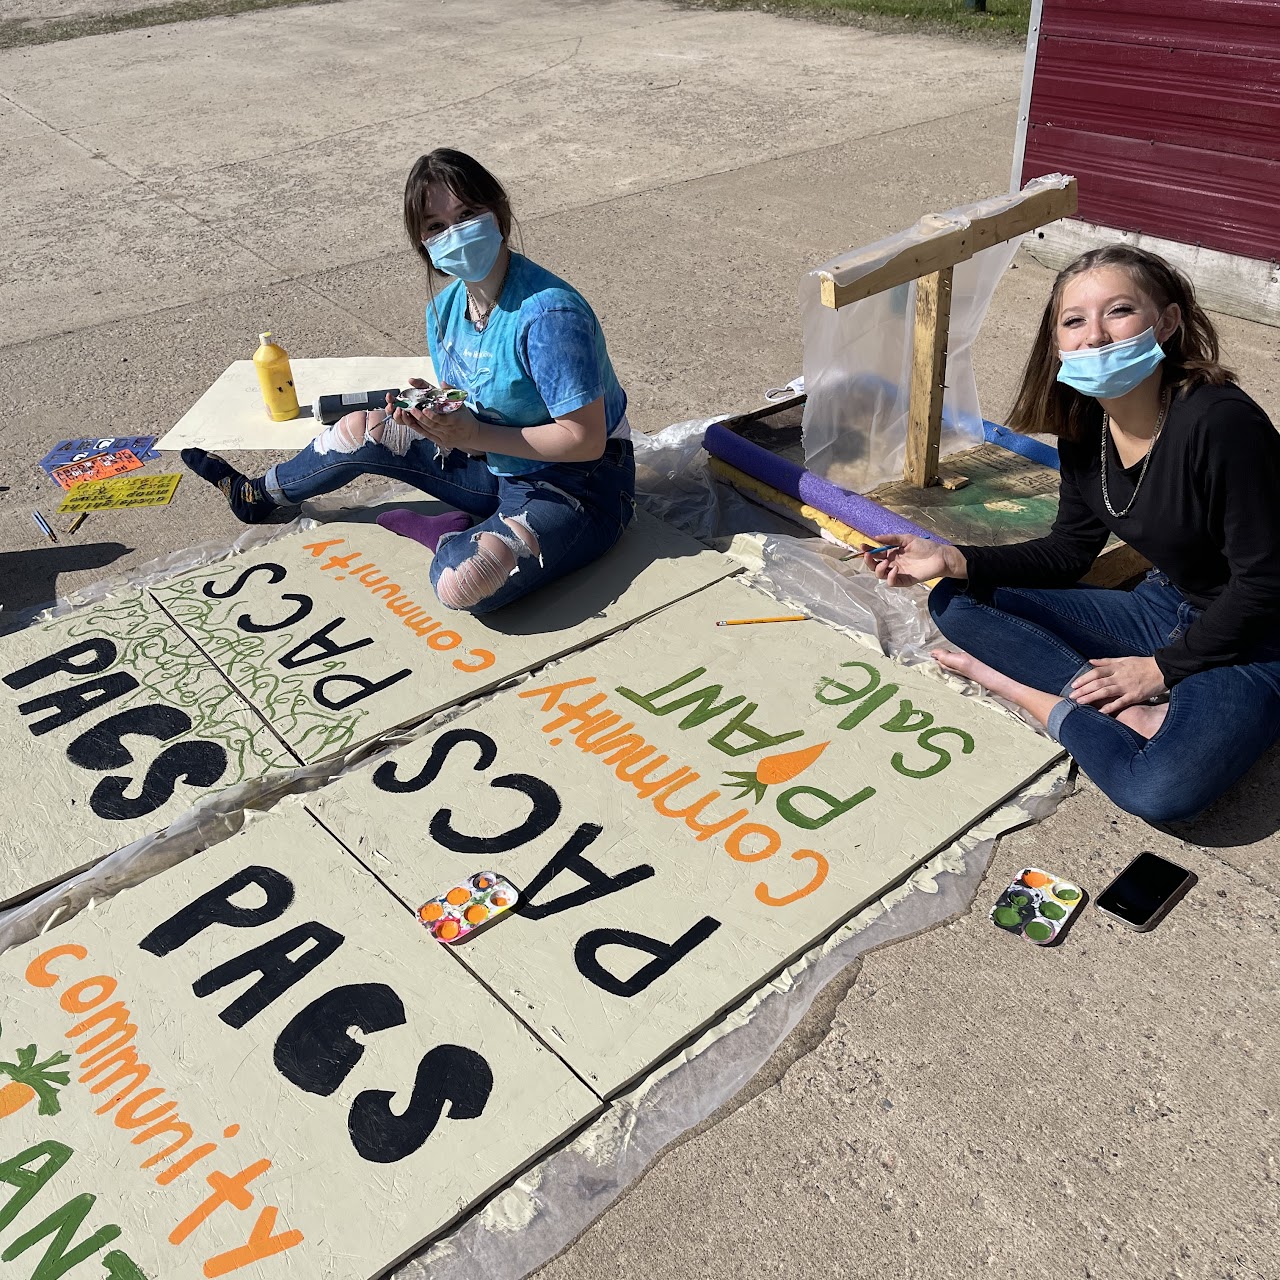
<point>958,1104</point>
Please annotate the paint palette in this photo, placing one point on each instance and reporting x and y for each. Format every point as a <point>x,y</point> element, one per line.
<point>432,399</point>
<point>478,900</point>
<point>1036,905</point>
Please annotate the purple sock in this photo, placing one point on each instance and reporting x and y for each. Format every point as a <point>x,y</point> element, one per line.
<point>427,530</point>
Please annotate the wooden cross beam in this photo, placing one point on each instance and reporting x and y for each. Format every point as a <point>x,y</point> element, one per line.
<point>930,262</point>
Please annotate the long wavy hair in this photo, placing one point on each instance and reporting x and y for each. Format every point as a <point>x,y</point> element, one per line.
<point>1043,404</point>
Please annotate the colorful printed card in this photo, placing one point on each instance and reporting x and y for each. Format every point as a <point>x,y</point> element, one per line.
<point>102,466</point>
<point>77,450</point>
<point>1036,905</point>
<point>123,491</point>
<point>479,900</point>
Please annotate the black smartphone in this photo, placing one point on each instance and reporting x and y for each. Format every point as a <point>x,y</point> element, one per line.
<point>1145,891</point>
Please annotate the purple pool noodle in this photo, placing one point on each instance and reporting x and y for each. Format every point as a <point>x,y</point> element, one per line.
<point>788,477</point>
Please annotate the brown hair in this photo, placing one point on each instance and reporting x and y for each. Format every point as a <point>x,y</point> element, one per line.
<point>1044,404</point>
<point>469,181</point>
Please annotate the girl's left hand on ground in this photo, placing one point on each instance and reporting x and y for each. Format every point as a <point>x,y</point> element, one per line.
<point>1117,683</point>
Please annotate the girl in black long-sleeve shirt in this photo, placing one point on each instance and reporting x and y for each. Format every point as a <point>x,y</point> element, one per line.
<point>1168,693</point>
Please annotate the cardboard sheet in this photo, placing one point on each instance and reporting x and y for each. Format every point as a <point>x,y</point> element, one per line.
<point>231,415</point>
<point>112,723</point>
<point>336,636</point>
<point>684,809</point>
<point>258,1064</point>
<point>123,491</point>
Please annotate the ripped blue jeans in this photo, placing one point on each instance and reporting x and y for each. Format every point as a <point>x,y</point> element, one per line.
<point>575,510</point>
<point>1219,721</point>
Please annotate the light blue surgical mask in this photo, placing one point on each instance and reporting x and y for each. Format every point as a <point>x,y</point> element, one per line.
<point>1113,370</point>
<point>468,249</point>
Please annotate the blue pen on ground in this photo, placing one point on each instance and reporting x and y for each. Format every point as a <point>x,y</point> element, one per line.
<point>44,526</point>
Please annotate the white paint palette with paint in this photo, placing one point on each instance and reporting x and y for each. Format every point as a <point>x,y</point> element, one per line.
<point>681,819</point>
<point>335,635</point>
<point>113,723</point>
<point>258,1064</point>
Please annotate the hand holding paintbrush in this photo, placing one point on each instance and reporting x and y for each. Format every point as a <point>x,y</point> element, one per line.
<point>903,559</point>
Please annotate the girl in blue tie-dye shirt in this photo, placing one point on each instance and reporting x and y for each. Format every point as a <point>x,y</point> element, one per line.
<point>538,459</point>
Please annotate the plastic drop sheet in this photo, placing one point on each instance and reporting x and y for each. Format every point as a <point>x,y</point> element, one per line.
<point>551,1203</point>
<point>857,360</point>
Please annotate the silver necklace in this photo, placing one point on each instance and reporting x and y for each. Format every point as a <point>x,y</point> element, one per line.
<point>1146,461</point>
<point>478,317</point>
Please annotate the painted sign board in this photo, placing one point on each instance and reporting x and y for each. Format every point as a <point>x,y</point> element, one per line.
<point>256,1064</point>
<point>684,809</point>
<point>335,635</point>
<point>112,723</point>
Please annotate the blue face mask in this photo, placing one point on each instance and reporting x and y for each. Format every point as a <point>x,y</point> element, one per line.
<point>1113,370</point>
<point>468,249</point>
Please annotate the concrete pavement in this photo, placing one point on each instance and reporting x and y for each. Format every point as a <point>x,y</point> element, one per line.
<point>958,1104</point>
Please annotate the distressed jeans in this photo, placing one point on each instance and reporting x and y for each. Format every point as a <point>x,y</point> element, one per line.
<point>576,510</point>
<point>1218,723</point>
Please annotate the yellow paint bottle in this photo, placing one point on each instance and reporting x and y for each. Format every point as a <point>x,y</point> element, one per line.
<point>275,377</point>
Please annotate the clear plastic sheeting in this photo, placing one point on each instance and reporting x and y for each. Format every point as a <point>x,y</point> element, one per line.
<point>551,1203</point>
<point>857,360</point>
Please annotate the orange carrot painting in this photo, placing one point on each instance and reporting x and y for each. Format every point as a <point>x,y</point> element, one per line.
<point>774,769</point>
<point>30,1079</point>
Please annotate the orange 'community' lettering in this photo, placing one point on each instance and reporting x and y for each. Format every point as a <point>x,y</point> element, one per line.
<point>596,729</point>
<point>106,1049</point>
<point>417,619</point>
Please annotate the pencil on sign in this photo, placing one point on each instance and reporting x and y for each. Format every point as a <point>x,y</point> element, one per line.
<point>742,622</point>
<point>43,525</point>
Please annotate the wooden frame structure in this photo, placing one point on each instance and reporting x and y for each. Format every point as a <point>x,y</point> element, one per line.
<point>989,494</point>
<point>931,265</point>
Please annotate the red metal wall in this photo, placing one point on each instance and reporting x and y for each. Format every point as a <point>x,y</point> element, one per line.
<point>1168,113</point>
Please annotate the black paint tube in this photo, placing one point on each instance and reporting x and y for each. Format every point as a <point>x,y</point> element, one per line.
<point>328,409</point>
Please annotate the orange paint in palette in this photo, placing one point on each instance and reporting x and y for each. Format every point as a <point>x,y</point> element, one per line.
<point>1036,905</point>
<point>461,910</point>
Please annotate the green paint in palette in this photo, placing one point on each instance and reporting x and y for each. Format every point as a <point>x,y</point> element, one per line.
<point>1036,905</point>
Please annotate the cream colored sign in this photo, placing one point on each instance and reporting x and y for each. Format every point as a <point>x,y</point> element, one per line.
<point>684,808</point>
<point>336,636</point>
<point>112,723</point>
<point>257,1065</point>
<point>231,414</point>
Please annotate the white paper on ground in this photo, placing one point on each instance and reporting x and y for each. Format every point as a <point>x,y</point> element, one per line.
<point>231,415</point>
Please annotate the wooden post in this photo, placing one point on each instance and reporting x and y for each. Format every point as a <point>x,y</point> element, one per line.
<point>928,378</point>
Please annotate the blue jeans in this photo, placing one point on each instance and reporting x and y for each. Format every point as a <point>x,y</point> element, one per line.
<point>1218,723</point>
<point>575,510</point>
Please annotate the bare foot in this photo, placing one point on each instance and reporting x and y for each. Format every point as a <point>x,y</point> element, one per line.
<point>961,664</point>
<point>1144,720</point>
<point>1034,701</point>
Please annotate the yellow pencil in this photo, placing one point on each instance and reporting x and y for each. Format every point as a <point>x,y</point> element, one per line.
<point>741,622</point>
